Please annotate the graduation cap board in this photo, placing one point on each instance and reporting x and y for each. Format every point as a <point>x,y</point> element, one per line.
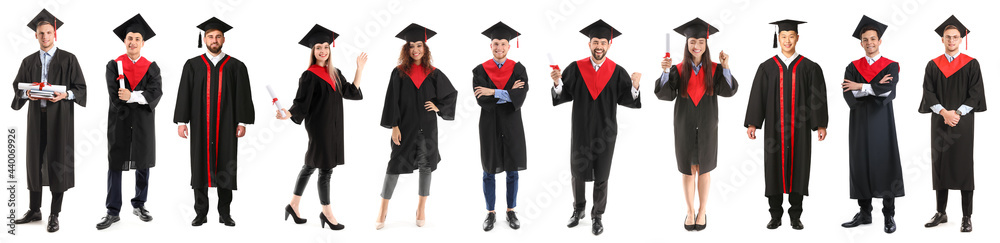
<point>785,25</point>
<point>869,22</point>
<point>135,25</point>
<point>212,24</point>
<point>319,34</point>
<point>600,30</point>
<point>962,30</point>
<point>44,15</point>
<point>414,32</point>
<point>696,28</point>
<point>501,31</point>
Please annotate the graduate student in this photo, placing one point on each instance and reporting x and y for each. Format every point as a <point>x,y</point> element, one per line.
<point>319,102</point>
<point>131,116</point>
<point>869,87</point>
<point>695,85</point>
<point>953,91</point>
<point>597,86</point>
<point>500,86</point>
<point>50,153</point>
<point>417,94</point>
<point>214,99</point>
<point>789,93</point>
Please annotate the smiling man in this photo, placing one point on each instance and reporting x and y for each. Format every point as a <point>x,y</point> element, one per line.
<point>50,154</point>
<point>869,87</point>
<point>131,126</point>
<point>214,97</point>
<point>953,91</point>
<point>500,86</point>
<point>788,92</point>
<point>597,86</point>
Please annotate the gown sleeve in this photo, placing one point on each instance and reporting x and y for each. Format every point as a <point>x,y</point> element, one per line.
<point>111,76</point>
<point>182,108</point>
<point>446,96</point>
<point>624,85</point>
<point>77,83</point>
<point>816,101</point>
<point>153,89</point>
<point>481,79</point>
<point>756,106</point>
<point>668,91</point>
<point>879,88</point>
<point>722,87</point>
<point>245,110</point>
<point>517,96</point>
<point>569,77</point>
<point>390,110</point>
<point>350,91</point>
<point>305,97</point>
<point>976,97</point>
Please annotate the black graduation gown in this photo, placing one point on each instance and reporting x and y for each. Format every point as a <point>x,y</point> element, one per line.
<point>594,121</point>
<point>875,170</point>
<point>786,164</point>
<point>55,167</point>
<point>501,131</point>
<point>404,107</point>
<point>131,126</point>
<point>322,109</point>
<point>696,128</point>
<point>952,147</point>
<point>212,126</point>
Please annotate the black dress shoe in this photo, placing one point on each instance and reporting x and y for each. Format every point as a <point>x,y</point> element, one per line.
<point>512,220</point>
<point>295,217</point>
<point>227,220</point>
<point>689,227</point>
<point>199,220</point>
<point>142,213</point>
<point>966,224</point>
<point>106,221</point>
<point>29,217</point>
<point>859,219</point>
<point>797,224</point>
<point>575,219</point>
<point>700,227</point>
<point>491,218</point>
<point>774,223</point>
<point>323,222</point>
<point>597,227</point>
<point>937,219</point>
<point>53,223</point>
<point>890,225</point>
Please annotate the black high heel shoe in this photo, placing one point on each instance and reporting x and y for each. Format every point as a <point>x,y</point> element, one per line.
<point>323,222</point>
<point>290,212</point>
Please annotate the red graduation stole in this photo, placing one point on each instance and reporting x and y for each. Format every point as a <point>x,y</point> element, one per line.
<point>499,76</point>
<point>595,79</point>
<point>696,84</point>
<point>208,113</point>
<point>417,74</point>
<point>787,188</point>
<point>868,71</point>
<point>949,68</point>
<point>133,71</point>
<point>323,74</point>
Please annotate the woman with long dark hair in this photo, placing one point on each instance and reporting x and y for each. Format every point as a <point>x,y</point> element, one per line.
<point>417,93</point>
<point>319,102</point>
<point>696,85</point>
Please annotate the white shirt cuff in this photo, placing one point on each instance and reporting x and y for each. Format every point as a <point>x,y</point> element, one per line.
<point>937,108</point>
<point>70,96</point>
<point>137,98</point>
<point>965,109</point>
<point>558,88</point>
<point>635,92</point>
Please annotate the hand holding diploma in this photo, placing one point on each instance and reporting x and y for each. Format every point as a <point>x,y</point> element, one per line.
<point>274,100</point>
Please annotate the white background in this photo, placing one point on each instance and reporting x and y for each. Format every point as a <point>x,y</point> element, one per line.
<point>646,200</point>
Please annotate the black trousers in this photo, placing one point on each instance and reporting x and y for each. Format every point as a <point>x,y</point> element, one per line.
<point>35,197</point>
<point>114,200</point>
<point>795,211</point>
<point>942,202</point>
<point>201,201</point>
<point>600,196</point>
<point>322,183</point>
<point>888,206</point>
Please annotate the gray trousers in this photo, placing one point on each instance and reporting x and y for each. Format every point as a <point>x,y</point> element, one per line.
<point>423,167</point>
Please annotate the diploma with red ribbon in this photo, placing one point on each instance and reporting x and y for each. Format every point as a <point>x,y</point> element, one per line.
<point>668,46</point>
<point>274,100</point>
<point>552,62</point>
<point>121,76</point>
<point>41,90</point>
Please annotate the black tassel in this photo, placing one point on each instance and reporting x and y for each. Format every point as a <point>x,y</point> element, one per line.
<point>775,40</point>
<point>199,40</point>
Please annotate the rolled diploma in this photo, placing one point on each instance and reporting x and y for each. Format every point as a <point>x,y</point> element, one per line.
<point>121,81</point>
<point>275,99</point>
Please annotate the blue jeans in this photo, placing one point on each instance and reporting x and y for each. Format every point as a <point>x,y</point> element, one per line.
<point>489,189</point>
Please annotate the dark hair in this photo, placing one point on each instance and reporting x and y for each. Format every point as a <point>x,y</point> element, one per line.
<point>706,69</point>
<point>867,28</point>
<point>405,61</point>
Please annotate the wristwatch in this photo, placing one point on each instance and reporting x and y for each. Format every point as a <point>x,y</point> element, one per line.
<point>959,112</point>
